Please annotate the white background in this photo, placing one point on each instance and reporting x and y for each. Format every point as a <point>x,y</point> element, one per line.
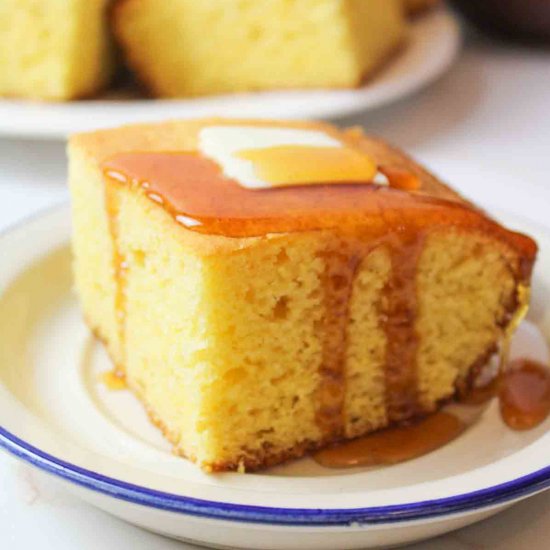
<point>484,127</point>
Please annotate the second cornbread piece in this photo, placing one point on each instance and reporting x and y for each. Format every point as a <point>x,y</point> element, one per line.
<point>54,49</point>
<point>189,48</point>
<point>259,323</point>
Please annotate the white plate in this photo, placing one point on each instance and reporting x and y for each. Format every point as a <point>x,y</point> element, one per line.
<point>57,415</point>
<point>433,45</point>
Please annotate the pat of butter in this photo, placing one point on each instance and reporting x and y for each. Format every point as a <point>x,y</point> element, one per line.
<point>265,157</point>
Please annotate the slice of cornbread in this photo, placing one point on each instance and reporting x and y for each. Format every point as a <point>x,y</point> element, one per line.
<point>187,48</point>
<point>257,323</point>
<point>54,49</point>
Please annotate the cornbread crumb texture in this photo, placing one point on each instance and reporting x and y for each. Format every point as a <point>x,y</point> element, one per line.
<point>222,341</point>
<point>466,290</point>
<point>54,49</point>
<point>184,47</point>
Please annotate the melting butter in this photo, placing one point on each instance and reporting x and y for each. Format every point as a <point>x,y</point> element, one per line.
<point>298,164</point>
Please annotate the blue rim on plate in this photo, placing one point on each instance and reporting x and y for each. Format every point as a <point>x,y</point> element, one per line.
<point>491,496</point>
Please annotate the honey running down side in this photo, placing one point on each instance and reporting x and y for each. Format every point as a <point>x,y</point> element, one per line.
<point>114,380</point>
<point>341,264</point>
<point>522,388</point>
<point>361,216</point>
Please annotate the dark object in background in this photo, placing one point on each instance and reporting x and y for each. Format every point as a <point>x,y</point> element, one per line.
<point>527,20</point>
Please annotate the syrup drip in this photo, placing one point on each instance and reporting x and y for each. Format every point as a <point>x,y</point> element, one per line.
<point>113,380</point>
<point>401,179</point>
<point>399,320</point>
<point>394,445</point>
<point>339,275</point>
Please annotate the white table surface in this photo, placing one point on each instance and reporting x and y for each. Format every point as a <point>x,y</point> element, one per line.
<point>485,127</point>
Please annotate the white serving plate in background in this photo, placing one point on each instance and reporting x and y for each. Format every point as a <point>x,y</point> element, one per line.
<point>57,415</point>
<point>433,45</point>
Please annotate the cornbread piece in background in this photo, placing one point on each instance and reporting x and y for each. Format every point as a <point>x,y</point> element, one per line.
<point>413,7</point>
<point>54,49</point>
<point>188,48</point>
<point>249,350</point>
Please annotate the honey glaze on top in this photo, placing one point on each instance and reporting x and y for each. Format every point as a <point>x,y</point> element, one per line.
<point>198,195</point>
<point>360,216</point>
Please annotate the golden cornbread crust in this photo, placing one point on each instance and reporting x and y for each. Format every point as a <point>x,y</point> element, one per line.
<point>221,336</point>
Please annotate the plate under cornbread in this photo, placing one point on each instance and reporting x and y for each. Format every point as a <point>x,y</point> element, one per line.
<point>268,288</point>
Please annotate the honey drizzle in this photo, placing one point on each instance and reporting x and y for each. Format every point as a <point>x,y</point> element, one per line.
<point>399,312</point>
<point>340,268</point>
<point>179,181</point>
<point>114,380</point>
<point>119,268</point>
